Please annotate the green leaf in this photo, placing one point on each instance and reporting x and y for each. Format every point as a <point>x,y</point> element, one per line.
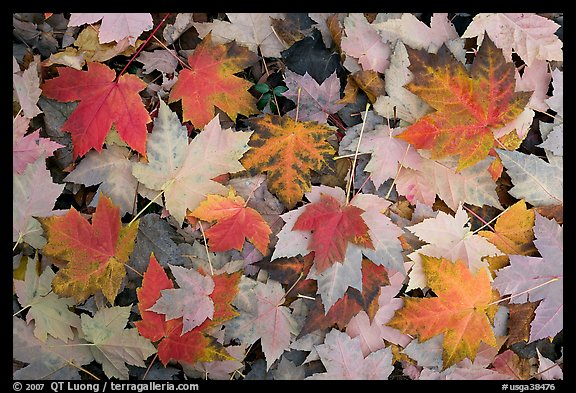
<point>278,90</point>
<point>262,88</point>
<point>263,101</point>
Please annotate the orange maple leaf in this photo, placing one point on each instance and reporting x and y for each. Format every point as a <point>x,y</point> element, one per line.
<point>462,310</point>
<point>333,226</point>
<point>234,222</point>
<point>469,106</point>
<point>210,83</point>
<point>195,345</point>
<point>103,102</point>
<point>288,151</point>
<point>96,253</point>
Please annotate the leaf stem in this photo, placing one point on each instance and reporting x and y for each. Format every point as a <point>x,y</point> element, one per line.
<point>291,288</point>
<point>351,178</point>
<point>151,202</point>
<point>134,270</point>
<point>142,47</point>
<point>22,309</point>
<point>150,365</point>
<point>298,103</point>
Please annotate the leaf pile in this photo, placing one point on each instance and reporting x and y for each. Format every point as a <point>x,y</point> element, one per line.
<point>288,196</point>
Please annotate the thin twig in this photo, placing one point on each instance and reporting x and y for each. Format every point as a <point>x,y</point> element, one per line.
<point>134,270</point>
<point>142,47</point>
<point>291,288</point>
<point>172,54</point>
<point>401,163</point>
<point>351,179</point>
<point>206,247</point>
<point>298,103</point>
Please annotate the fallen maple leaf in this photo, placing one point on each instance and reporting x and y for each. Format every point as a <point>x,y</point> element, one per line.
<point>262,316</point>
<point>530,35</point>
<point>34,195</point>
<point>468,105</point>
<point>538,182</point>
<point>193,346</point>
<point>27,149</point>
<point>369,82</point>
<point>111,344</point>
<point>115,26</point>
<point>103,102</point>
<point>461,310</point>
<point>96,253</point>
<point>315,101</point>
<point>210,83</point>
<point>333,226</point>
<point>113,171</point>
<point>26,88</point>
<point>191,301</point>
<point>363,42</point>
<point>49,311</point>
<point>234,222</point>
<point>417,34</point>
<point>253,30</point>
<point>343,359</point>
<point>288,151</point>
<point>185,171</point>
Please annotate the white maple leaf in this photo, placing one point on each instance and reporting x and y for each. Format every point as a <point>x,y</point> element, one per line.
<point>451,238</point>
<point>472,185</point>
<point>113,170</point>
<point>34,195</point>
<point>191,300</point>
<point>27,87</point>
<point>252,30</point>
<point>538,182</point>
<point>363,42</point>
<point>343,359</point>
<point>115,26</point>
<point>112,345</point>
<point>531,36</point>
<point>262,316</point>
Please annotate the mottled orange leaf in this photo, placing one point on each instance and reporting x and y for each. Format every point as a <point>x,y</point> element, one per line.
<point>333,226</point>
<point>96,253</point>
<point>234,222</point>
<point>469,105</point>
<point>373,278</point>
<point>288,150</point>
<point>461,310</point>
<point>210,82</point>
<point>103,102</point>
<point>195,345</point>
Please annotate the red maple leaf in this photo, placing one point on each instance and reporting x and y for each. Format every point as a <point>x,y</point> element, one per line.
<point>103,102</point>
<point>195,345</point>
<point>333,226</point>
<point>234,222</point>
<point>210,83</point>
<point>373,278</point>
